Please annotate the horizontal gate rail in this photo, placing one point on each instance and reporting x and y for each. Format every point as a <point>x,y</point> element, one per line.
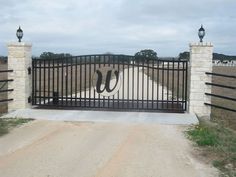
<point>222,75</point>
<point>141,85</point>
<point>220,107</point>
<point>7,90</point>
<point>2,89</point>
<point>6,71</point>
<point>5,100</point>
<point>221,96</point>
<point>220,85</point>
<point>7,80</point>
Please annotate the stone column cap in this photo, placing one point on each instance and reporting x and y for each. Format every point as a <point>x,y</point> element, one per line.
<point>201,44</point>
<point>19,44</point>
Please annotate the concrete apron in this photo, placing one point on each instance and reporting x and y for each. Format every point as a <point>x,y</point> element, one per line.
<point>105,116</point>
<point>109,116</point>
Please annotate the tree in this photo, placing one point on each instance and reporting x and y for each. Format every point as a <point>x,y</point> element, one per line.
<point>145,56</point>
<point>51,55</point>
<point>184,55</point>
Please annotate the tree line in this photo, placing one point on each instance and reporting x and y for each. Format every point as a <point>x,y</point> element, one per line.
<point>216,56</point>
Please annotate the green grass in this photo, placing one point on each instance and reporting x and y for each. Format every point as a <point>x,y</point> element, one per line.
<point>219,143</point>
<point>203,136</point>
<point>7,124</point>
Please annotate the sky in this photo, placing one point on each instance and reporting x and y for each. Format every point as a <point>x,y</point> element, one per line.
<point>118,26</point>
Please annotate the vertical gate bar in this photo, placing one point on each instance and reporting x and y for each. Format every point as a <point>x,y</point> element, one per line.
<point>58,67</point>
<point>168,70</point>
<point>36,81</point>
<point>94,70</point>
<point>109,64</point>
<point>158,75</point>
<point>104,64</point>
<point>99,97</point>
<point>132,82</point>
<point>71,81</point>
<point>178,85</point>
<point>118,94</point>
<point>76,78</point>
<point>89,80</point>
<point>152,83</point>
<point>80,81</point>
<point>148,75</point>
<point>49,70</point>
<point>143,83</point>
<point>162,94</point>
<point>138,83</point>
<point>62,81</point>
<point>183,83</point>
<point>85,80</point>
<point>128,100</point>
<point>33,82</point>
<point>44,81</point>
<point>113,97</point>
<point>123,94</point>
<point>53,75</point>
<point>40,82</point>
<point>66,81</point>
<point>186,84</point>
<point>173,82</point>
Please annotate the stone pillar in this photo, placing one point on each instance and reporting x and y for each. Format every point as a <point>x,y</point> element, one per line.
<point>19,59</point>
<point>200,62</point>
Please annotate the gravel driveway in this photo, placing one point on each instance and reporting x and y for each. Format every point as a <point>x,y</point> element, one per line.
<point>74,149</point>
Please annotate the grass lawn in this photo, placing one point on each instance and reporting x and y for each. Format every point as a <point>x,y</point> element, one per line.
<point>8,124</point>
<point>218,143</point>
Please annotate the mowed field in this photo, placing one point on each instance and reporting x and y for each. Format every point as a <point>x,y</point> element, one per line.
<point>228,118</point>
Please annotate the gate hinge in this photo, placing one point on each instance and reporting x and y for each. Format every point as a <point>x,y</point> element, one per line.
<point>29,99</point>
<point>29,70</point>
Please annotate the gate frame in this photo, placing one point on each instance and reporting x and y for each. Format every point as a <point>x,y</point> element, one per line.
<point>44,96</point>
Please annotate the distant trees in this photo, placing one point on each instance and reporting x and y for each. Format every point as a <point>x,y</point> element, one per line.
<point>51,55</point>
<point>184,55</point>
<point>216,56</point>
<point>3,59</point>
<point>145,56</point>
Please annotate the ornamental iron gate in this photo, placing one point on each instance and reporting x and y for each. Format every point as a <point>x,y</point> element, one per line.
<point>110,82</point>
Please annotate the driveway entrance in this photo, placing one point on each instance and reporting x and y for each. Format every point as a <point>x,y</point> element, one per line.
<point>74,149</point>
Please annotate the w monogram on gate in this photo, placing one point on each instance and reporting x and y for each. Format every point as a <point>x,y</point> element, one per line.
<point>106,81</point>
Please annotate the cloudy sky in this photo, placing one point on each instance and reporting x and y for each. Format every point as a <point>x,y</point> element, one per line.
<point>118,26</point>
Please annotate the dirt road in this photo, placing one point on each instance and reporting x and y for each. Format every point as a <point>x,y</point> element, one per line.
<point>73,149</point>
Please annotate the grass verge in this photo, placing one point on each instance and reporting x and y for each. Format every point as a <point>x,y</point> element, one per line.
<point>7,124</point>
<point>219,143</point>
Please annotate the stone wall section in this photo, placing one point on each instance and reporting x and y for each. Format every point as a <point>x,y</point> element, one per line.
<point>19,59</point>
<point>200,62</point>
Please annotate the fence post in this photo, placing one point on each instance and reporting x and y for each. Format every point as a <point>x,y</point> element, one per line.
<point>200,62</point>
<point>19,59</point>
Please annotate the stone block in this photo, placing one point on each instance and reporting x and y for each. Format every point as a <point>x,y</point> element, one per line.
<point>200,62</point>
<point>19,59</point>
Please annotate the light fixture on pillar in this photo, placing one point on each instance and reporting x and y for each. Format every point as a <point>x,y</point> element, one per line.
<point>201,33</point>
<point>19,34</point>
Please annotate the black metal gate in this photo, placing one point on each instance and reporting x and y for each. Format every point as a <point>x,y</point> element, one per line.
<point>110,82</point>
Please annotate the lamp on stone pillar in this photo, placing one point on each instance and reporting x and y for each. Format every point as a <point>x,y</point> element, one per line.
<point>201,33</point>
<point>19,34</point>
